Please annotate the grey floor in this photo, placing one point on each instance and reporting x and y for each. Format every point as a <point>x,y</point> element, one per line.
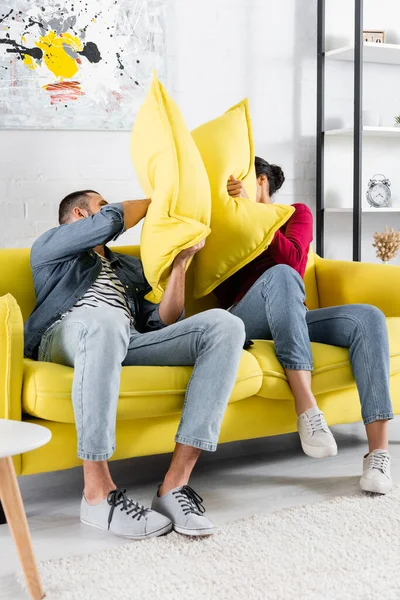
<point>240,480</point>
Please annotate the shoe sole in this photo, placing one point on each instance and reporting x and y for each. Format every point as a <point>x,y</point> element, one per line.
<point>319,451</point>
<point>193,532</point>
<point>367,485</point>
<point>144,536</point>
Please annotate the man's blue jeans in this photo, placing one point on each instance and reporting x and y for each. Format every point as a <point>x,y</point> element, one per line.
<point>273,309</point>
<point>98,341</point>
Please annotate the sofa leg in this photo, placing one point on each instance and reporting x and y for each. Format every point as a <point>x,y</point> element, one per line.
<point>2,515</point>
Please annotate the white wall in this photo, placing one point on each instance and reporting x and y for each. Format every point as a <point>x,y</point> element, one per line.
<point>218,52</point>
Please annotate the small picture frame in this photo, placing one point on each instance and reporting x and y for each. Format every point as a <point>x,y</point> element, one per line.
<point>373,36</point>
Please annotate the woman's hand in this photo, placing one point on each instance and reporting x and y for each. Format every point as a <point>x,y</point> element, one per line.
<point>235,188</point>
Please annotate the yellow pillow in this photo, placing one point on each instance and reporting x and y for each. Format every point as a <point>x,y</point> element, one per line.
<point>171,173</point>
<point>241,229</point>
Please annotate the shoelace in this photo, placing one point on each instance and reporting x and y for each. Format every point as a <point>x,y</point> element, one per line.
<point>119,498</point>
<point>379,461</point>
<point>189,500</point>
<point>317,423</point>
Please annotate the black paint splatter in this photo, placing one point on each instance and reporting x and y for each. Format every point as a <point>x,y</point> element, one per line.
<point>4,17</point>
<point>120,65</point>
<point>91,52</point>
<point>22,51</point>
<point>31,23</point>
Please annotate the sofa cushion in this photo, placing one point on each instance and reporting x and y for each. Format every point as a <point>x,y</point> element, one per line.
<point>241,229</point>
<point>145,391</point>
<point>332,369</point>
<point>172,174</point>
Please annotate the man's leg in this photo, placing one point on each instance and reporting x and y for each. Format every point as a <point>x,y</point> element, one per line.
<point>181,467</point>
<point>274,309</point>
<point>94,341</point>
<point>212,341</point>
<point>363,330</point>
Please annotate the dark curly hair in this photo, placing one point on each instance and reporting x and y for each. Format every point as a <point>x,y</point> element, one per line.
<point>275,175</point>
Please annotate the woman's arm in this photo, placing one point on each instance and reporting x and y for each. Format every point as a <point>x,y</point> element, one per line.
<point>291,247</point>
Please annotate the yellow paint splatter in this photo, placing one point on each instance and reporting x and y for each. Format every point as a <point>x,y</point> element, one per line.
<point>28,61</point>
<point>54,55</point>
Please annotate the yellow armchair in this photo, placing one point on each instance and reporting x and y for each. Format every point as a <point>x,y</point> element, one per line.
<point>11,358</point>
<point>341,282</point>
<point>11,362</point>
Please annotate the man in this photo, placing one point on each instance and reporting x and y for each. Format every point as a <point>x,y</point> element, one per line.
<point>91,314</point>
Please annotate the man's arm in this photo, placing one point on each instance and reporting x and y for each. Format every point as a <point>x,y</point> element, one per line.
<point>171,308</point>
<point>173,302</point>
<point>66,241</point>
<point>134,211</point>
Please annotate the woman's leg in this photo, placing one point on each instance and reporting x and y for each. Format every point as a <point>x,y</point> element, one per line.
<point>274,309</point>
<point>363,330</point>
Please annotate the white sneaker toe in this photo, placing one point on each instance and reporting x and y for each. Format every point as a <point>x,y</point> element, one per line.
<point>195,525</point>
<point>316,438</point>
<point>376,477</point>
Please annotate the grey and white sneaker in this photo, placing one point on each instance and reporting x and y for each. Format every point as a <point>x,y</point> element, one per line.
<point>316,439</point>
<point>376,477</point>
<point>185,509</point>
<point>124,517</point>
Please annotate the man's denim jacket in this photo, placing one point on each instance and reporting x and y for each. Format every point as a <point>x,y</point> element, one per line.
<point>64,266</point>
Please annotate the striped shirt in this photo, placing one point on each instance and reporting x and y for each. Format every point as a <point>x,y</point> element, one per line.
<point>107,290</point>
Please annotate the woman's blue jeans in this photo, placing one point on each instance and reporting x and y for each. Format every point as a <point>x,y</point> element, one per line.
<point>273,309</point>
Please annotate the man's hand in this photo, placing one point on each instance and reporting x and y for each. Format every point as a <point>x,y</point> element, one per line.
<point>173,301</point>
<point>184,256</point>
<point>236,188</point>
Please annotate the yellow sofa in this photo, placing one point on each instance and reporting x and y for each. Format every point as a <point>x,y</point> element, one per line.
<point>151,398</point>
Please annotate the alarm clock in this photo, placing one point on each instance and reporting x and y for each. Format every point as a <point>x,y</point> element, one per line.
<point>378,192</point>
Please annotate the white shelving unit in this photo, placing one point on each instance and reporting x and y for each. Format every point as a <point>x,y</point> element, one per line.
<point>388,54</point>
<point>377,211</point>
<point>368,131</point>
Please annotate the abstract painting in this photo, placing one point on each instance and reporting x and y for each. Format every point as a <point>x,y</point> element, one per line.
<point>78,64</point>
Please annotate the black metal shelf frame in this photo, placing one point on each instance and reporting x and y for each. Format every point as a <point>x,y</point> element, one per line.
<point>357,129</point>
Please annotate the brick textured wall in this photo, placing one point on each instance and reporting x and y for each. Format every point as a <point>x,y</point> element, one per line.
<point>218,52</point>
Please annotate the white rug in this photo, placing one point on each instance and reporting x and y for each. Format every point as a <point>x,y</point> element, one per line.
<point>347,549</point>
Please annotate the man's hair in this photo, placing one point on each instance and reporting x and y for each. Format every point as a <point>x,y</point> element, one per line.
<point>79,199</point>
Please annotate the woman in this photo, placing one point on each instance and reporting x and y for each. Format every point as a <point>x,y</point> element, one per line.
<point>268,295</point>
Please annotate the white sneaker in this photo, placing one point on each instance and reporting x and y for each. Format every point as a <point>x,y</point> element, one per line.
<point>185,509</point>
<point>121,516</point>
<point>315,436</point>
<point>376,476</point>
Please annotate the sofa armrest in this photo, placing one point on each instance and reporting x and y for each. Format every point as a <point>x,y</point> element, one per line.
<point>11,358</point>
<point>342,282</point>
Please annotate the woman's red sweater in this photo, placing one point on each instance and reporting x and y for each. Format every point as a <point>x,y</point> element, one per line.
<point>290,246</point>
